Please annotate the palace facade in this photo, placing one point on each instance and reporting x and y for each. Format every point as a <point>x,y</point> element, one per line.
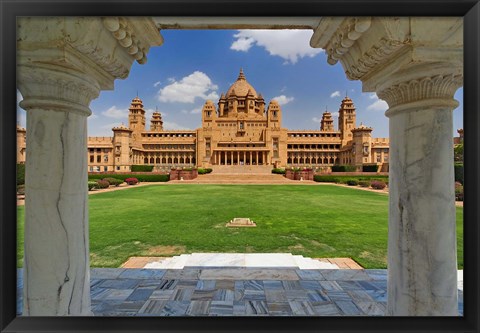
<point>240,130</point>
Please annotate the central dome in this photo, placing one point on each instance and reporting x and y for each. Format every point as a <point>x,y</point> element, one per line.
<point>241,87</point>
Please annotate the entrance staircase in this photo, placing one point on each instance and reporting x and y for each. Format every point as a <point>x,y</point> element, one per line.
<point>224,260</point>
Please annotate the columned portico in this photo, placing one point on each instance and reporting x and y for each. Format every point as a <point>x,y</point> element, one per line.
<point>63,63</point>
<point>415,65</point>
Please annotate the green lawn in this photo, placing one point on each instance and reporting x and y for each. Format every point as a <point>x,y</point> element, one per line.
<point>165,220</point>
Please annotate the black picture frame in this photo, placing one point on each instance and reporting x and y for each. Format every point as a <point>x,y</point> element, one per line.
<point>10,10</point>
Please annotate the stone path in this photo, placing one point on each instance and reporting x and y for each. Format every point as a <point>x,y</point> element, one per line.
<point>238,292</point>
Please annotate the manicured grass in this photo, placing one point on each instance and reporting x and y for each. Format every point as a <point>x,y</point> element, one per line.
<point>165,220</point>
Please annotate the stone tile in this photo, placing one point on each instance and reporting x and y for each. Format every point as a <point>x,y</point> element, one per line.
<point>377,295</point>
<point>248,274</point>
<point>184,294</point>
<point>167,284</point>
<point>153,307</point>
<point>133,273</point>
<point>117,294</point>
<point>272,285</point>
<point>370,285</point>
<point>309,284</point>
<point>197,308</point>
<point>202,295</point>
<point>360,295</point>
<point>318,295</point>
<point>182,274</point>
<point>238,294</point>
<point>118,308</point>
<point>291,285</point>
<point>221,308</point>
<point>175,308</point>
<point>148,283</point>
<point>336,296</point>
<point>371,308</point>
<point>345,274</point>
<point>94,282</point>
<point>239,308</point>
<point>253,285</point>
<point>225,284</point>
<point>329,285</point>
<point>377,274</point>
<point>349,285</point>
<point>239,285</point>
<point>275,296</point>
<point>256,308</point>
<point>99,293</point>
<point>279,308</point>
<point>205,285</point>
<point>164,295</point>
<point>224,295</point>
<point>105,273</point>
<point>253,295</point>
<point>296,295</point>
<point>348,308</point>
<point>140,294</point>
<point>326,309</point>
<point>310,274</point>
<point>302,308</point>
<point>119,284</point>
<point>190,284</point>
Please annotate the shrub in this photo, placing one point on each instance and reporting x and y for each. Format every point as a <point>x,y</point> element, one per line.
<point>20,174</point>
<point>131,181</point>
<point>92,184</point>
<point>369,168</point>
<point>21,189</point>
<point>141,178</point>
<point>326,179</point>
<point>458,172</point>
<point>102,183</point>
<point>364,183</point>
<point>343,168</point>
<point>378,185</point>
<point>113,181</point>
<point>142,168</point>
<point>352,182</point>
<point>278,171</point>
<point>202,171</point>
<point>458,191</point>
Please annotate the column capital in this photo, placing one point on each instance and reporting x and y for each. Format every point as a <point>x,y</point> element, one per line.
<point>65,61</point>
<point>388,52</point>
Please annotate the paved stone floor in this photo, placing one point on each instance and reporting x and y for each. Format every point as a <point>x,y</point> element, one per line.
<point>243,291</point>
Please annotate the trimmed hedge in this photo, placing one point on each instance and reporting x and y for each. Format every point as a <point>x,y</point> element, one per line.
<point>369,168</point>
<point>352,182</point>
<point>20,174</point>
<point>202,171</point>
<point>458,167</point>
<point>344,179</point>
<point>458,191</point>
<point>141,178</point>
<point>343,168</point>
<point>142,168</point>
<point>114,181</point>
<point>102,183</point>
<point>92,185</point>
<point>364,183</point>
<point>278,171</point>
<point>378,185</point>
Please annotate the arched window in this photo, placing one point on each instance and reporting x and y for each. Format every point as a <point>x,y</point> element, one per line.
<point>175,160</point>
<point>157,160</point>
<point>164,160</point>
<point>151,160</point>
<point>145,160</point>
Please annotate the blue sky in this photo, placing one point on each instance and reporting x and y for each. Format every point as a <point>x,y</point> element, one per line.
<point>194,65</point>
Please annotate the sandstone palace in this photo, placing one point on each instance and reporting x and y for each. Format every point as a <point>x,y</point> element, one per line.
<point>240,130</point>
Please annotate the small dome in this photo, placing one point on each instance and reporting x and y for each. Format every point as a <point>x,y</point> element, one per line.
<point>241,87</point>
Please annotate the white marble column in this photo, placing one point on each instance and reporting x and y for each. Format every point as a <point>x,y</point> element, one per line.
<point>56,263</point>
<point>62,64</point>
<point>422,251</point>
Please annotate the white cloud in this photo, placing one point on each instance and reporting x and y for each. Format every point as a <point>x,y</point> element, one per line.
<point>197,84</point>
<point>335,94</point>
<point>335,114</point>
<point>171,79</point>
<point>196,110</point>
<point>378,104</point>
<point>290,45</point>
<point>92,116</point>
<point>156,84</point>
<point>115,112</point>
<point>111,125</point>
<point>316,119</point>
<point>282,99</point>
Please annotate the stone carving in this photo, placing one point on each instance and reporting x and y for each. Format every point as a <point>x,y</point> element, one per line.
<point>435,87</point>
